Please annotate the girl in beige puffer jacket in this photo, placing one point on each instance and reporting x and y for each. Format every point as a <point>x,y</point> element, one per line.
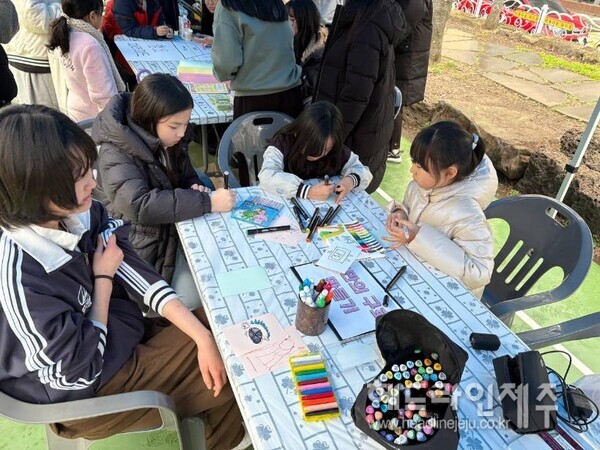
<point>441,219</point>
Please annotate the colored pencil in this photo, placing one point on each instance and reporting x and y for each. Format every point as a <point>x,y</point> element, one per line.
<point>329,405</point>
<point>320,413</point>
<point>317,391</point>
<point>310,387</point>
<point>316,380</point>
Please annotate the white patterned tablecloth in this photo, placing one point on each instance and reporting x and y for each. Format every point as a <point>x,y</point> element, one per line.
<point>207,109</point>
<point>216,243</point>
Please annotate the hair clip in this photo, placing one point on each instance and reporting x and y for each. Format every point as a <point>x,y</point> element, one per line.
<point>475,141</point>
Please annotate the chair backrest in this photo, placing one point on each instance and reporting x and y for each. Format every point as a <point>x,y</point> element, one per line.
<point>397,101</point>
<point>244,143</point>
<point>544,242</point>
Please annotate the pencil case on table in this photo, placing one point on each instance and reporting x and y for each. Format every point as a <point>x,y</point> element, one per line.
<point>315,392</point>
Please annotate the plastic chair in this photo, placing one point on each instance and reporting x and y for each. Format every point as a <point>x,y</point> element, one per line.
<point>542,242</point>
<point>244,143</point>
<point>397,101</point>
<point>190,432</point>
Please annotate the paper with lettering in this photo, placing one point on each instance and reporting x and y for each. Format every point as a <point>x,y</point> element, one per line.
<point>357,298</point>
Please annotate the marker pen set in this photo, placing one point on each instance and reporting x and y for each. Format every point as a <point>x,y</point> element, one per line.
<point>315,392</point>
<point>315,296</point>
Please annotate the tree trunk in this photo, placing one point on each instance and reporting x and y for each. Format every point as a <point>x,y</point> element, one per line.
<point>491,23</point>
<point>441,12</point>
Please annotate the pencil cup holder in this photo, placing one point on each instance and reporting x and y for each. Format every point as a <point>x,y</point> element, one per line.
<point>311,321</point>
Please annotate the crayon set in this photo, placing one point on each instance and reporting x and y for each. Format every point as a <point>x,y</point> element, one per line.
<point>314,389</point>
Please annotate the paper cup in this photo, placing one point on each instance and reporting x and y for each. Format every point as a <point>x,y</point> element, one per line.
<point>311,321</point>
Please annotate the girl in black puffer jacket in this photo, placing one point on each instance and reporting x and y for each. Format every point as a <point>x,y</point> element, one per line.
<point>146,177</point>
<point>358,77</point>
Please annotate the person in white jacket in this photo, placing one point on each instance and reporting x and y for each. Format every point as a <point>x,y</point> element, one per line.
<point>441,218</point>
<point>312,147</point>
<point>27,52</point>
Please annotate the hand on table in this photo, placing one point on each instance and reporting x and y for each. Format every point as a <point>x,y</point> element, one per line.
<point>343,188</point>
<point>320,191</point>
<point>223,200</point>
<point>206,41</point>
<point>164,31</point>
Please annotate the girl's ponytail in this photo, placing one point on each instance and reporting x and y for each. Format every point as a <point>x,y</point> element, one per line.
<point>478,150</point>
<point>59,35</point>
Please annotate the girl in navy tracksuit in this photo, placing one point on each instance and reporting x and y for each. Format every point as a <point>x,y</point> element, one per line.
<point>68,327</point>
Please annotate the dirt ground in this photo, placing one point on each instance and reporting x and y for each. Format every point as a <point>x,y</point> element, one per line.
<point>515,117</point>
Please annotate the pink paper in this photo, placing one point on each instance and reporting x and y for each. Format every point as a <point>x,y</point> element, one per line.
<point>275,356</point>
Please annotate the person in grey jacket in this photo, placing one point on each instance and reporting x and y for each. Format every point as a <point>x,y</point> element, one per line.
<point>10,21</point>
<point>312,147</point>
<point>146,177</point>
<point>254,48</point>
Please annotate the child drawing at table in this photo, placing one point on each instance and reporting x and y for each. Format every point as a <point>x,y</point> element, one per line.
<point>312,146</point>
<point>441,218</point>
<point>146,177</point>
<point>69,325</point>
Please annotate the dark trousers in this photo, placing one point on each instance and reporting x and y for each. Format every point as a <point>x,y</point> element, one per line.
<point>288,102</point>
<point>397,133</point>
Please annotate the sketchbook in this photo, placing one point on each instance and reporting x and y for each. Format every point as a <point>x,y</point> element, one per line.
<point>258,210</point>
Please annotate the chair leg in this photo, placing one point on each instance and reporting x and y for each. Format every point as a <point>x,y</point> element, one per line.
<point>508,320</point>
<point>193,435</point>
<point>56,442</point>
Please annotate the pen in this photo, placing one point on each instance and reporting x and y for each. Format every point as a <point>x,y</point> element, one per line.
<point>301,208</point>
<point>333,214</point>
<point>267,230</point>
<point>226,179</point>
<point>326,216</point>
<point>326,180</point>
<point>396,278</point>
<point>299,218</point>
<point>312,225</point>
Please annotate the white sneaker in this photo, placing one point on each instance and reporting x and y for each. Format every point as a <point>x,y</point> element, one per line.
<point>394,156</point>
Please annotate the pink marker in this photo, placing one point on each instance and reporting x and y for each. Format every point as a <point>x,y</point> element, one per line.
<point>313,386</point>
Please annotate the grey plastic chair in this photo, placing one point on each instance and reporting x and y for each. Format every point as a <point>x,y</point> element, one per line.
<point>190,432</point>
<point>244,143</point>
<point>547,242</point>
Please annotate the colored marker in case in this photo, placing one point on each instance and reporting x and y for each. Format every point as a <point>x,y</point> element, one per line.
<point>314,388</point>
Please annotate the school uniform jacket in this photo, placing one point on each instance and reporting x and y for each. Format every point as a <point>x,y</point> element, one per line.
<point>275,177</point>
<point>455,236</point>
<point>51,352</point>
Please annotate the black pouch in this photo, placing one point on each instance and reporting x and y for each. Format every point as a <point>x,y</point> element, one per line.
<point>399,333</point>
<point>521,381</point>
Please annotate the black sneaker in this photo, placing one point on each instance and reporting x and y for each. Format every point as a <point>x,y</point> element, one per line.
<point>394,156</point>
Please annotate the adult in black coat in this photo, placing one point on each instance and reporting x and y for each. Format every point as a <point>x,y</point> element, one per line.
<point>8,87</point>
<point>358,77</point>
<point>412,60</point>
